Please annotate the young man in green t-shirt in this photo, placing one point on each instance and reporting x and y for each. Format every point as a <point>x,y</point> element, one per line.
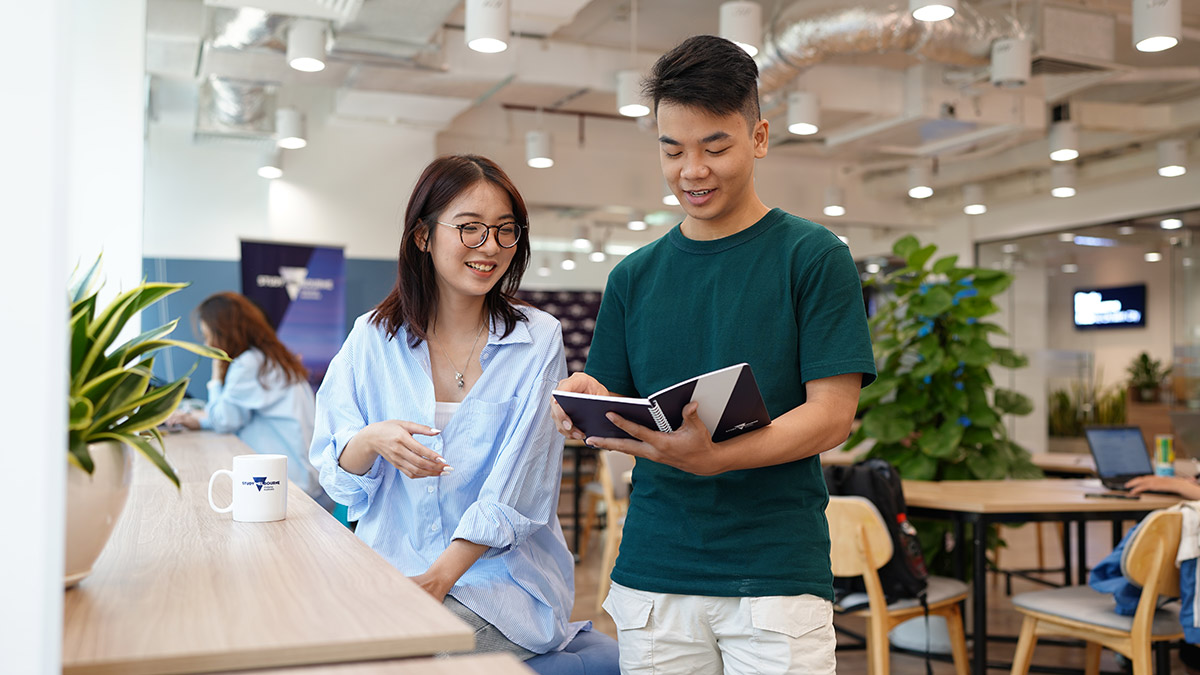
<point>724,562</point>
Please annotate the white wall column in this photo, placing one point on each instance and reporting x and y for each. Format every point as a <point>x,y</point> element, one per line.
<point>34,400</point>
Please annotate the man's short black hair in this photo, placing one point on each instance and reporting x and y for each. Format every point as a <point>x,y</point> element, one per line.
<point>706,72</point>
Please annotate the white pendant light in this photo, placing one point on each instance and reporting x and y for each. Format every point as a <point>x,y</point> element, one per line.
<point>835,202</point>
<point>290,129</point>
<point>803,113</point>
<point>487,28</point>
<point>568,261</point>
<point>919,181</point>
<point>1157,24</point>
<point>1062,180</point>
<point>1126,230</point>
<point>1170,223</point>
<point>669,198</point>
<point>1064,141</point>
<point>637,222</point>
<point>544,268</point>
<point>629,94</point>
<point>1011,62</point>
<point>306,45</point>
<point>1172,157</point>
<point>1152,256</point>
<point>741,23</point>
<point>597,255</point>
<point>973,200</point>
<point>932,10</point>
<point>582,242</point>
<point>271,166</point>
<point>537,149</point>
<point>1070,267</point>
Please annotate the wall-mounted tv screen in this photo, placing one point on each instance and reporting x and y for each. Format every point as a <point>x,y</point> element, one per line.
<point>1116,307</point>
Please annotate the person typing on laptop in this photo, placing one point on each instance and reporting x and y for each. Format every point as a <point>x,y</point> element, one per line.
<point>1187,488</point>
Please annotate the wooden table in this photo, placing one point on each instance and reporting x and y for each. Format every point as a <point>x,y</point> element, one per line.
<point>984,502</point>
<point>181,588</point>
<point>474,664</point>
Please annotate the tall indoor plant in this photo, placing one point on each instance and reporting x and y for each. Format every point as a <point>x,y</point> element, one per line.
<point>113,405</point>
<point>934,412</point>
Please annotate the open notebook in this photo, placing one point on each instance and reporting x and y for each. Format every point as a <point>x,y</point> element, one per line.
<point>730,404</point>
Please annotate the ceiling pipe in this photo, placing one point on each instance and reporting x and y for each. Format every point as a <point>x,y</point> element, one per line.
<point>800,37</point>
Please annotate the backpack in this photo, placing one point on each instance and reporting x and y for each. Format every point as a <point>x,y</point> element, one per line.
<point>905,575</point>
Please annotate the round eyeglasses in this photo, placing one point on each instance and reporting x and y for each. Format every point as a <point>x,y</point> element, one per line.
<point>474,234</point>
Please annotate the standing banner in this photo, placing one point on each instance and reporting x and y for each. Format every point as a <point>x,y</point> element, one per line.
<point>302,290</point>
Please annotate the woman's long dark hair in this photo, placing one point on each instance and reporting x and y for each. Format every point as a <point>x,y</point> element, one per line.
<point>236,324</point>
<point>414,297</point>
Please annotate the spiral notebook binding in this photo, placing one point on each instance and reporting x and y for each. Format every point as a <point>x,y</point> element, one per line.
<point>659,418</point>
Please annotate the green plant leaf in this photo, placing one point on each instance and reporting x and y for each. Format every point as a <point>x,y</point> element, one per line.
<point>78,454</point>
<point>918,466</point>
<point>1010,402</point>
<point>142,445</point>
<point>79,340</point>
<point>155,345</point>
<point>945,264</point>
<point>984,465</point>
<point>1010,359</point>
<point>119,356</point>
<point>977,435</point>
<point>79,287</point>
<point>938,300</point>
<point>154,408</point>
<point>991,282</point>
<point>942,442</point>
<point>921,256</point>
<point>978,352</point>
<point>80,410</point>
<point>887,423</point>
<point>121,398</point>
<point>905,246</point>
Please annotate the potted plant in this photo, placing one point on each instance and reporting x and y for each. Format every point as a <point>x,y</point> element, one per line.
<point>934,412</point>
<point>114,408</point>
<point>1145,377</point>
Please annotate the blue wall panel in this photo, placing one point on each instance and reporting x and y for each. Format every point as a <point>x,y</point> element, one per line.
<point>367,282</point>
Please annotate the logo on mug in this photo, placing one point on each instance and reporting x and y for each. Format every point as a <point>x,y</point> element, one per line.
<point>261,482</point>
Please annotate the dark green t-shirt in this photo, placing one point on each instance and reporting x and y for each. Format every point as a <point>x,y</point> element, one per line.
<point>784,296</point>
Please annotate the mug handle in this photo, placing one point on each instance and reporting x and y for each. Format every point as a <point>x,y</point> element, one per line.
<point>211,480</point>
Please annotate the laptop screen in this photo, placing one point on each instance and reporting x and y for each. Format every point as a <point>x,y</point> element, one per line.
<point>1119,451</point>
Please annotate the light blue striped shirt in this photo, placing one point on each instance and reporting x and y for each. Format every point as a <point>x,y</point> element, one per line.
<point>272,419</point>
<point>503,492</point>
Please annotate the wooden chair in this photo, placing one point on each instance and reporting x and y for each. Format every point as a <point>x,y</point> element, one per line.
<point>614,490</point>
<point>1082,613</point>
<point>860,546</point>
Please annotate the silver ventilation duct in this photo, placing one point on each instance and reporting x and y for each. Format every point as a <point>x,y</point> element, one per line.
<point>801,36</point>
<point>236,108</point>
<point>246,27</point>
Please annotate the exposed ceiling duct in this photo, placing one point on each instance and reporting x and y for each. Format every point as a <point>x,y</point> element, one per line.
<point>800,37</point>
<point>246,27</point>
<point>234,108</point>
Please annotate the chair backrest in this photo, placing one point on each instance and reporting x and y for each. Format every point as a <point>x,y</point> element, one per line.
<point>612,467</point>
<point>859,540</point>
<point>1150,557</point>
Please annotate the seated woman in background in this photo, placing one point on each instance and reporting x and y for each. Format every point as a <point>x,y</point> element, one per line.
<point>262,395</point>
<point>450,357</point>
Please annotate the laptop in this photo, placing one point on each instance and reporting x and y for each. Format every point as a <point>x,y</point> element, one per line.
<point>1120,454</point>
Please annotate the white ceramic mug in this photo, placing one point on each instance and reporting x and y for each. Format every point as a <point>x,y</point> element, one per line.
<point>259,488</point>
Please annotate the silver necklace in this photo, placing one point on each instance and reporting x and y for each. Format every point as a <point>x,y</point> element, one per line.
<point>458,374</point>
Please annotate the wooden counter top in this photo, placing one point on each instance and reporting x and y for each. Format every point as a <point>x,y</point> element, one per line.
<point>181,588</point>
<point>1046,495</point>
<point>474,664</point>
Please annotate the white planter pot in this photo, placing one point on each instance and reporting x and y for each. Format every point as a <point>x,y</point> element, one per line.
<point>911,635</point>
<point>94,503</point>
